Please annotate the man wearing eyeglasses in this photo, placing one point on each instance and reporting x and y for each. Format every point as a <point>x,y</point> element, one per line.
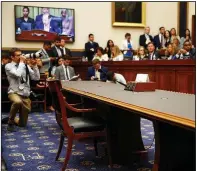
<point>19,75</point>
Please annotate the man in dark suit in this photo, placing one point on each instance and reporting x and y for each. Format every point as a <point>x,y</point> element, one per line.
<point>47,22</point>
<point>159,39</point>
<point>97,72</point>
<point>91,47</point>
<point>65,51</point>
<point>145,38</point>
<point>56,51</point>
<point>152,53</point>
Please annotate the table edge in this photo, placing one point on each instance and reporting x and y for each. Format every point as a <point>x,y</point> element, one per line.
<point>150,112</point>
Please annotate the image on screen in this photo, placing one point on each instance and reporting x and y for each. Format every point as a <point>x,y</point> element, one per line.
<point>44,23</point>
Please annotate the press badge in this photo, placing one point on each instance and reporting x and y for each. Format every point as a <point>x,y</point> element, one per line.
<point>21,86</point>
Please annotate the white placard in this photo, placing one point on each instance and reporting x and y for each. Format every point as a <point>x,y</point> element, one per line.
<point>142,78</point>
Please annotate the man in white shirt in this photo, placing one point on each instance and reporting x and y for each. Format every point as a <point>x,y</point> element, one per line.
<point>115,77</point>
<point>19,75</point>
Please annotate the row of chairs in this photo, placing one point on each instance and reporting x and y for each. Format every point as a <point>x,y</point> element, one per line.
<point>75,128</point>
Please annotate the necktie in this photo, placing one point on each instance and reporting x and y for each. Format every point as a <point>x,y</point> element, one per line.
<point>64,51</point>
<point>26,76</point>
<point>161,41</point>
<point>67,73</point>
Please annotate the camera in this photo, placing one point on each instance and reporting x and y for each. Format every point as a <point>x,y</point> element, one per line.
<point>33,55</point>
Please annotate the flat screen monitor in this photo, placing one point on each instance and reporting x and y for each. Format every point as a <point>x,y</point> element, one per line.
<point>31,22</point>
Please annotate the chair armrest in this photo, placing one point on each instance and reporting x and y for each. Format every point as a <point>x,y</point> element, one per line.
<point>75,104</point>
<point>82,110</point>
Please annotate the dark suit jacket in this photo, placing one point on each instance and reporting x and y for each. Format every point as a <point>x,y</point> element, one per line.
<point>156,54</point>
<point>20,21</point>
<point>157,42</point>
<point>54,25</point>
<point>143,40</point>
<point>54,52</point>
<point>91,72</point>
<point>88,52</point>
<point>68,52</point>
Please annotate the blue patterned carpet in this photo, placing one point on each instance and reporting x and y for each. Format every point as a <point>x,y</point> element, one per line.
<point>34,148</point>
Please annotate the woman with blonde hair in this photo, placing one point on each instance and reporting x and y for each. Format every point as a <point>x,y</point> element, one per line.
<point>140,54</point>
<point>176,44</point>
<point>117,54</point>
<point>174,35</point>
<point>170,52</point>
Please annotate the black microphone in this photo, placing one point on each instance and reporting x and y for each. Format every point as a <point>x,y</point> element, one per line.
<point>121,83</point>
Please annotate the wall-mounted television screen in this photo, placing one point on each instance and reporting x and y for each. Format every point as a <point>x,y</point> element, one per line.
<point>44,23</point>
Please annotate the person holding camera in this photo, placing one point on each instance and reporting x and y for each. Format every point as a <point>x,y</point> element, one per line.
<point>19,75</point>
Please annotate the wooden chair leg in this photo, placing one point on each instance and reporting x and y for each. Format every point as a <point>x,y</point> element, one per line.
<point>68,153</point>
<point>95,146</point>
<point>60,147</point>
<point>45,106</point>
<point>109,148</point>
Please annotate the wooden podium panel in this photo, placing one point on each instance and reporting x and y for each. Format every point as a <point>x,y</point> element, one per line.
<point>165,80</point>
<point>40,35</point>
<point>185,81</point>
<point>177,75</point>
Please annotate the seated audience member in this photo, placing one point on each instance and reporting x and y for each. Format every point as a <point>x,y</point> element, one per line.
<point>59,63</point>
<point>4,60</point>
<point>152,53</point>
<point>19,75</point>
<point>65,51</point>
<point>140,54</point>
<point>108,48</point>
<point>41,84</point>
<point>170,52</point>
<point>159,39</point>
<point>97,71</point>
<point>56,53</point>
<point>187,36</point>
<point>91,47</point>
<point>46,57</point>
<point>25,22</point>
<point>176,44</point>
<point>64,71</point>
<point>187,52</point>
<point>145,38</point>
<point>167,38</point>
<point>117,54</point>
<point>127,46</point>
<point>115,77</point>
<point>173,35</point>
<point>100,55</point>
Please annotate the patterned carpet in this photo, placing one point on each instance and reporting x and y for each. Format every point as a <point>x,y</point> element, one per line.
<point>34,148</point>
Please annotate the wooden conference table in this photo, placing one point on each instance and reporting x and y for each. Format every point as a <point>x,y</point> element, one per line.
<point>172,113</point>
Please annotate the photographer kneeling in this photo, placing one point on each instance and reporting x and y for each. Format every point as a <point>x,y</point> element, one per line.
<point>19,75</point>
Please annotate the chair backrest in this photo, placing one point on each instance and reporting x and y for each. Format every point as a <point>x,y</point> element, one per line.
<point>59,103</point>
